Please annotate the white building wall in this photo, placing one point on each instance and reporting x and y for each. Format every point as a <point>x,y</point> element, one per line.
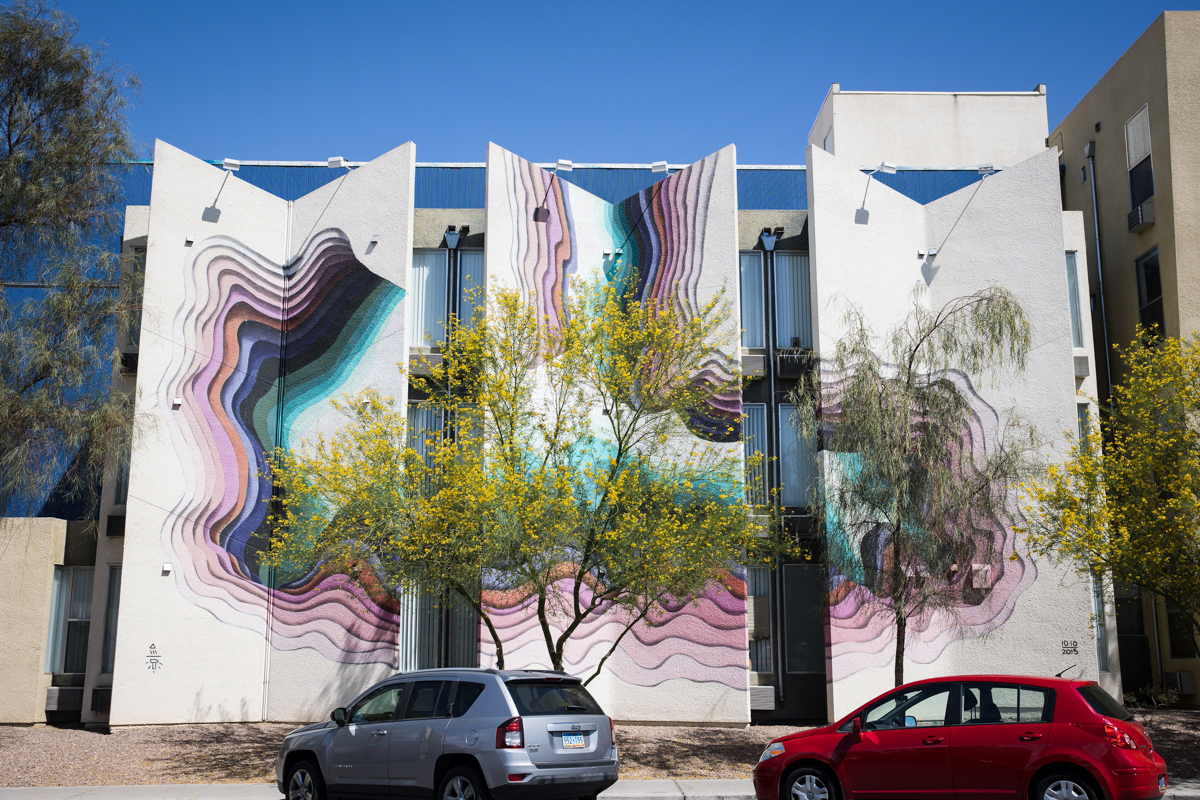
<point>931,129</point>
<point>202,639</point>
<point>1008,231</point>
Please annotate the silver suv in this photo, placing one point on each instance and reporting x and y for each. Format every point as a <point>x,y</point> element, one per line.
<point>456,734</point>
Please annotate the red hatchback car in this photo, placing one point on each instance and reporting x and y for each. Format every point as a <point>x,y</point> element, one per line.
<point>983,737</point>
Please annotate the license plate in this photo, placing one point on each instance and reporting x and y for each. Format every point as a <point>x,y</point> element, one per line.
<point>573,740</point>
<point>1162,783</point>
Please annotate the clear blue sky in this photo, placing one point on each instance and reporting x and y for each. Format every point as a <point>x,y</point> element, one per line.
<point>617,81</point>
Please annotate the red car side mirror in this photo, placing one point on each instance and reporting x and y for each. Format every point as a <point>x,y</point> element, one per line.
<point>856,728</point>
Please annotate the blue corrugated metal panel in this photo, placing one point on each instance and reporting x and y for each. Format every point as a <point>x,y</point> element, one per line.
<point>450,187</point>
<point>289,183</point>
<point>136,180</point>
<point>613,185</point>
<point>927,185</point>
<point>762,189</point>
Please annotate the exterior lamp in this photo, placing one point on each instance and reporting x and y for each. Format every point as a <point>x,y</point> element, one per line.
<point>542,212</point>
<point>337,161</point>
<point>231,164</point>
<point>658,166</point>
<point>452,236</point>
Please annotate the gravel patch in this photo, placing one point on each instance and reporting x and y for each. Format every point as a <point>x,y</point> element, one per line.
<point>245,752</point>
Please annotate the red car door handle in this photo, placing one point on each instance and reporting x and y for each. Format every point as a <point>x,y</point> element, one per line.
<point>933,739</point>
<point>1029,737</point>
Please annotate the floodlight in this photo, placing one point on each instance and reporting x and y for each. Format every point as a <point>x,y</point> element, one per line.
<point>564,165</point>
<point>658,166</point>
<point>337,161</point>
<point>888,168</point>
<point>231,164</point>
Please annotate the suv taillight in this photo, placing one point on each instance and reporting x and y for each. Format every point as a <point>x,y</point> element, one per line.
<point>1110,733</point>
<point>510,735</point>
<point>612,731</point>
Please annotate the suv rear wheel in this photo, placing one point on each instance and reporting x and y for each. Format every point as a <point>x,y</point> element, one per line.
<point>462,783</point>
<point>304,782</point>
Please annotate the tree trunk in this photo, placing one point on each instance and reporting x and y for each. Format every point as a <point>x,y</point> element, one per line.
<point>901,629</point>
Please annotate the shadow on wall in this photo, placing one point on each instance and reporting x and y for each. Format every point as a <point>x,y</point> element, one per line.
<point>344,686</point>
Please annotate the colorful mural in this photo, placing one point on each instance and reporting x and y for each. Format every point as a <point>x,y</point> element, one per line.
<point>667,244</point>
<point>862,632</point>
<point>655,240</point>
<point>260,350</point>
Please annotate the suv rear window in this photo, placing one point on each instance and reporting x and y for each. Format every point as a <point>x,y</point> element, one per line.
<point>1102,702</point>
<point>535,698</point>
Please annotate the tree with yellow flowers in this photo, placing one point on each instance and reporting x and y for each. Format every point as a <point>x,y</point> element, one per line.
<point>568,474</point>
<point>1127,503</point>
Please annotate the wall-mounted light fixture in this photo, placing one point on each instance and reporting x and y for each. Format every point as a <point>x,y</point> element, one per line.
<point>930,253</point>
<point>166,568</point>
<point>452,236</point>
<point>176,402</point>
<point>188,241</point>
<point>542,212</point>
<point>658,166</point>
<point>886,167</point>
<point>986,169</point>
<point>231,164</point>
<point>336,162</point>
<point>769,238</point>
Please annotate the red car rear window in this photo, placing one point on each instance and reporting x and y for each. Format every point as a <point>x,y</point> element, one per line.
<point>1102,702</point>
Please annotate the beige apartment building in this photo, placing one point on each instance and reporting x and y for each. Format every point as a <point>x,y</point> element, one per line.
<point>1130,161</point>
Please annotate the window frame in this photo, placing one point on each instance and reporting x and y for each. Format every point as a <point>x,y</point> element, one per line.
<point>401,698</point>
<point>760,327</point>
<point>1074,305</point>
<point>440,703</point>
<point>950,687</point>
<point>417,337</point>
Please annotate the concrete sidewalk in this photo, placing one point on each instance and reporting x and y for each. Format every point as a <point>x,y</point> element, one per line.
<point>622,790</point>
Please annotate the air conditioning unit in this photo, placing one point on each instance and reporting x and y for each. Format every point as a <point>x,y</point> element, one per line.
<point>1142,216</point>
<point>64,698</point>
<point>422,362</point>
<point>762,698</point>
<point>754,366</point>
<point>793,362</point>
<point>1182,682</point>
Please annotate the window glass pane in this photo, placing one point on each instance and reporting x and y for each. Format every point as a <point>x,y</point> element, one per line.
<point>922,707</point>
<point>121,481</point>
<point>1099,622</point>
<point>753,303</point>
<point>426,700</point>
<point>81,593</point>
<point>423,426</point>
<point>110,620</point>
<point>1084,420</point>
<point>1141,182</point>
<point>473,280</point>
<point>538,698</point>
<point>466,696</point>
<point>804,618</point>
<point>427,326</point>
<point>58,619</point>
<point>1073,298</point>
<point>1150,307</point>
<point>379,706</point>
<point>1137,137</point>
<point>792,301</point>
<point>75,655</point>
<point>989,704</point>
<point>754,443</point>
<point>760,656</point>
<point>796,464</point>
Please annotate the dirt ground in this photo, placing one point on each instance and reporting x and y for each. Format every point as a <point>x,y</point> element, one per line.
<point>245,753</point>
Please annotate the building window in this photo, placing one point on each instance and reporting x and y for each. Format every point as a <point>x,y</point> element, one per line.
<point>1138,158</point>
<point>424,428</point>
<point>111,603</point>
<point>1099,622</point>
<point>754,332</point>
<point>1150,300</point>
<point>1073,298</point>
<point>793,311</point>
<point>70,619</point>
<point>758,593</point>
<point>754,442</point>
<point>473,283</point>
<point>1129,609</point>
<point>1083,419</point>
<point>430,273</point>
<point>121,481</point>
<point>796,465</point>
<point>1179,629</point>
